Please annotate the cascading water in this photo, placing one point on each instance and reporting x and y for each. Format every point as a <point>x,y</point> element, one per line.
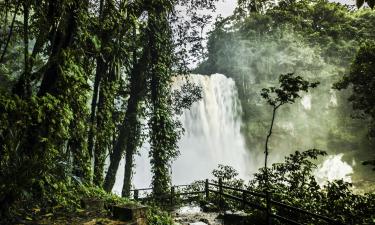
<point>212,136</point>
<point>212,132</point>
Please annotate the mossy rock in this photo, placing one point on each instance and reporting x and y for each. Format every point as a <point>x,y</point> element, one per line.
<point>135,214</point>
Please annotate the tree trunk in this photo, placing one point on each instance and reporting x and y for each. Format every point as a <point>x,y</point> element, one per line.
<point>163,136</point>
<point>266,150</point>
<point>133,143</point>
<point>2,57</point>
<point>102,136</point>
<point>25,87</point>
<point>100,70</point>
<point>129,130</point>
<point>63,40</point>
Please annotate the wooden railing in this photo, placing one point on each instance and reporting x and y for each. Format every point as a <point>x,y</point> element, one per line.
<point>169,196</point>
<point>242,199</point>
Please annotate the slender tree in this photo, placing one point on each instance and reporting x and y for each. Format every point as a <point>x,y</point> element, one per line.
<point>288,92</point>
<point>129,131</point>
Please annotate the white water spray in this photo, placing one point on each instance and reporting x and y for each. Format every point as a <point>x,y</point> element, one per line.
<point>333,168</point>
<point>212,132</point>
<point>212,136</point>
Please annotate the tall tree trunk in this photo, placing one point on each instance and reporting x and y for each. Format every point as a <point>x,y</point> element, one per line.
<point>2,57</point>
<point>129,130</point>
<point>134,139</point>
<point>100,70</point>
<point>46,28</point>
<point>101,142</point>
<point>77,142</point>
<point>63,40</point>
<point>133,143</point>
<point>105,85</point>
<point>163,136</point>
<point>32,151</point>
<point>26,84</point>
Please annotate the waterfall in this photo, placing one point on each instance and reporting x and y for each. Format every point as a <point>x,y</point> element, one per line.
<point>212,132</point>
<point>212,136</point>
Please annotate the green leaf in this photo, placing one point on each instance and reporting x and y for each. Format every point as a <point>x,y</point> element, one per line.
<point>29,218</point>
<point>96,42</point>
<point>43,140</point>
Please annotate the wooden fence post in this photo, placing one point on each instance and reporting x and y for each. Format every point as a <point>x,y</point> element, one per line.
<point>206,189</point>
<point>221,193</point>
<point>172,194</point>
<point>136,195</point>
<point>268,205</point>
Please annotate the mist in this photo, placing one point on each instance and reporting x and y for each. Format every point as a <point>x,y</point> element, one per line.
<point>321,119</point>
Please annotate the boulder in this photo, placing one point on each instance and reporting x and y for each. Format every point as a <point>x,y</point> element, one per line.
<point>92,204</point>
<point>134,214</point>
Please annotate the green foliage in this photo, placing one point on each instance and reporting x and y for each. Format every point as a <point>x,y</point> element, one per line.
<point>42,157</point>
<point>224,172</point>
<point>184,97</point>
<point>361,79</point>
<point>155,216</point>
<point>316,40</point>
<point>292,182</point>
<point>228,175</point>
<point>99,193</point>
<point>294,175</point>
<point>60,199</point>
<point>164,129</point>
<point>290,86</point>
<point>73,52</point>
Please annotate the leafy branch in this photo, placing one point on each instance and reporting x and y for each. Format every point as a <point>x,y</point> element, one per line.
<point>288,92</point>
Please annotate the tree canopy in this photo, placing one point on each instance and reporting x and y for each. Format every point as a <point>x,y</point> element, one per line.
<point>90,73</point>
